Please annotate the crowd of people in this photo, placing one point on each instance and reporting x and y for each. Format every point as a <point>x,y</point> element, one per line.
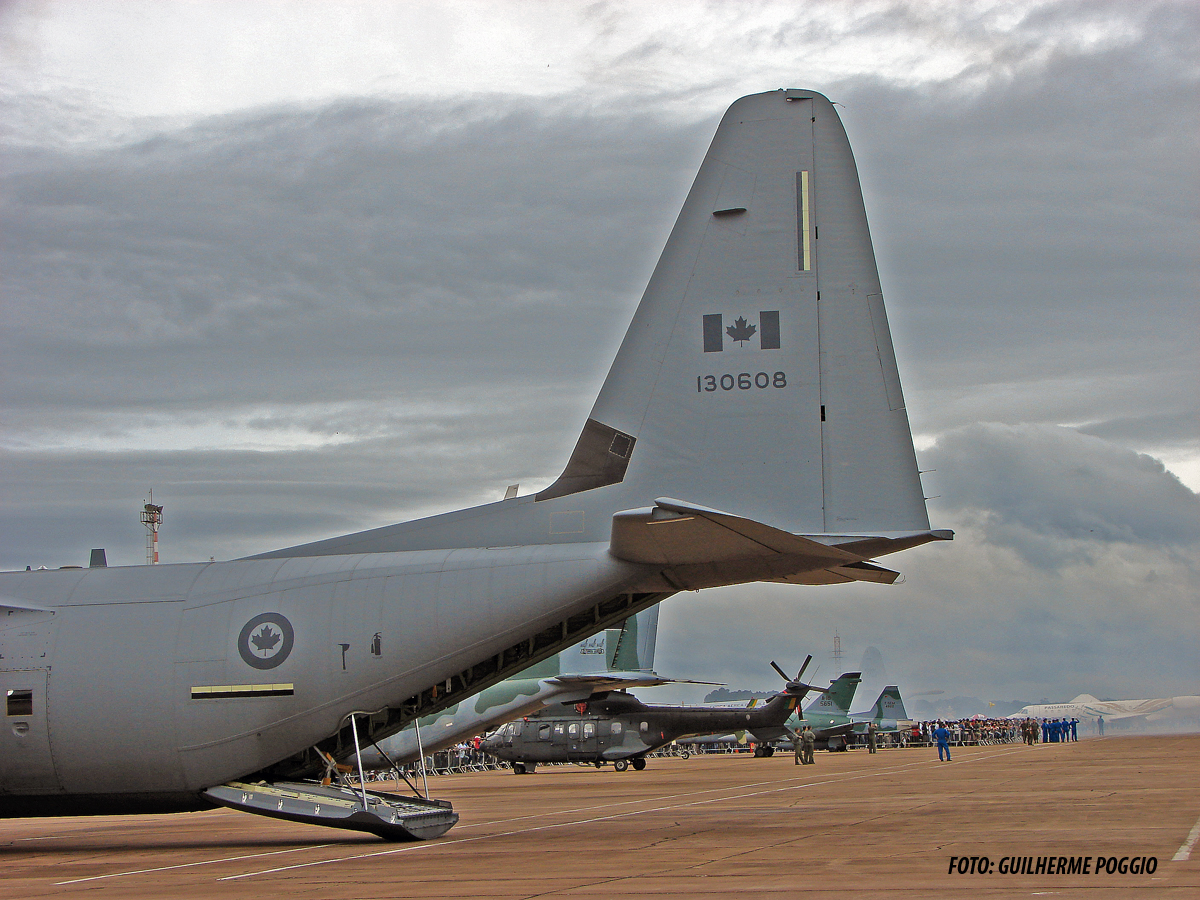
<point>996,731</point>
<point>966,731</point>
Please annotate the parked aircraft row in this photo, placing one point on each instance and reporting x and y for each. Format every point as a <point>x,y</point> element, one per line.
<point>829,716</point>
<point>1085,706</point>
<point>618,728</point>
<point>173,687</point>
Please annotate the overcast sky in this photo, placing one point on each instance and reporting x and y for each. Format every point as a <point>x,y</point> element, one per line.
<point>304,268</point>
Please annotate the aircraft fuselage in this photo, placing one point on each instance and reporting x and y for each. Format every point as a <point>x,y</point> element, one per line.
<point>153,683</point>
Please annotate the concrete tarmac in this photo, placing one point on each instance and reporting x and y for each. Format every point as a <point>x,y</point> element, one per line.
<point>709,826</point>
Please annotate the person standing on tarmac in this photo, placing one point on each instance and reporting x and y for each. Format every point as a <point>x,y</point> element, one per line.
<point>871,737</point>
<point>807,742</point>
<point>942,736</point>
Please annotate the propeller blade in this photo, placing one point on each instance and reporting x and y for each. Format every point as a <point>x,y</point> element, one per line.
<point>782,674</point>
<point>807,660</point>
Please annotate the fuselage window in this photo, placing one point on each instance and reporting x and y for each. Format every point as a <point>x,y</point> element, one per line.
<point>572,730</point>
<point>543,732</point>
<point>645,726</point>
<point>589,729</point>
<point>558,729</point>
<point>615,728</point>
<point>20,702</point>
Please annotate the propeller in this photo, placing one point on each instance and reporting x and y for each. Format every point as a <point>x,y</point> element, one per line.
<point>795,684</point>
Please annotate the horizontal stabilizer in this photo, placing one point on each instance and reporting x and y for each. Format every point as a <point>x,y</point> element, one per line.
<point>705,547</point>
<point>674,533</point>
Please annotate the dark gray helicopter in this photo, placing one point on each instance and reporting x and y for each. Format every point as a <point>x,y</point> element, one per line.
<point>619,728</point>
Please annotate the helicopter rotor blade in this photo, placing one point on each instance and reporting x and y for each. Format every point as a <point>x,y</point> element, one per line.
<point>782,674</point>
<point>807,660</point>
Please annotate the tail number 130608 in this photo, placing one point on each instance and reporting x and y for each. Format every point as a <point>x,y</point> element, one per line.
<point>743,381</point>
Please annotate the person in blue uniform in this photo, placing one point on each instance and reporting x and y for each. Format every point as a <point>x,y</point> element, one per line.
<point>1074,729</point>
<point>942,736</point>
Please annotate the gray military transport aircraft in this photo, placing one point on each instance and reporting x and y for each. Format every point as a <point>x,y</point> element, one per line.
<point>752,428</point>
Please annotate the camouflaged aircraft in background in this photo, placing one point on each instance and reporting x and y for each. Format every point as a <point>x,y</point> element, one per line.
<point>617,658</point>
<point>751,428</point>
<point>619,728</point>
<point>887,714</point>
<point>828,716</point>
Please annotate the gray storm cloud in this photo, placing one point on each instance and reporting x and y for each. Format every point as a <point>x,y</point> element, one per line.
<point>298,320</point>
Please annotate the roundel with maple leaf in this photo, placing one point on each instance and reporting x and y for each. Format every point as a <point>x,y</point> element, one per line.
<point>266,640</point>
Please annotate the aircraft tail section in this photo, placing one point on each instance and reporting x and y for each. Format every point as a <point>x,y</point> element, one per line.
<point>888,705</point>
<point>626,648</point>
<point>633,649</point>
<point>836,701</point>
<point>758,373</point>
<point>757,376</point>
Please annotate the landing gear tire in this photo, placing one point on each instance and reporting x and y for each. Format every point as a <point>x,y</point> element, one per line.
<point>639,764</point>
<point>621,765</point>
<point>686,754</point>
<point>518,768</point>
<point>598,764</point>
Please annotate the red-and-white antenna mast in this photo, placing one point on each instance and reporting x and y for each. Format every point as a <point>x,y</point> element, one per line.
<point>152,517</point>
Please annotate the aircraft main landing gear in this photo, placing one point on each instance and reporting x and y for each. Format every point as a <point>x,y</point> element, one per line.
<point>621,765</point>
<point>639,764</point>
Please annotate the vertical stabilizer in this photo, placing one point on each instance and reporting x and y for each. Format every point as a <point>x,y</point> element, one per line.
<point>632,647</point>
<point>758,374</point>
<point>888,706</point>
<point>836,701</point>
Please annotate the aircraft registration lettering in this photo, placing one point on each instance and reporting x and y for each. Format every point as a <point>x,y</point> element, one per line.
<point>743,381</point>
